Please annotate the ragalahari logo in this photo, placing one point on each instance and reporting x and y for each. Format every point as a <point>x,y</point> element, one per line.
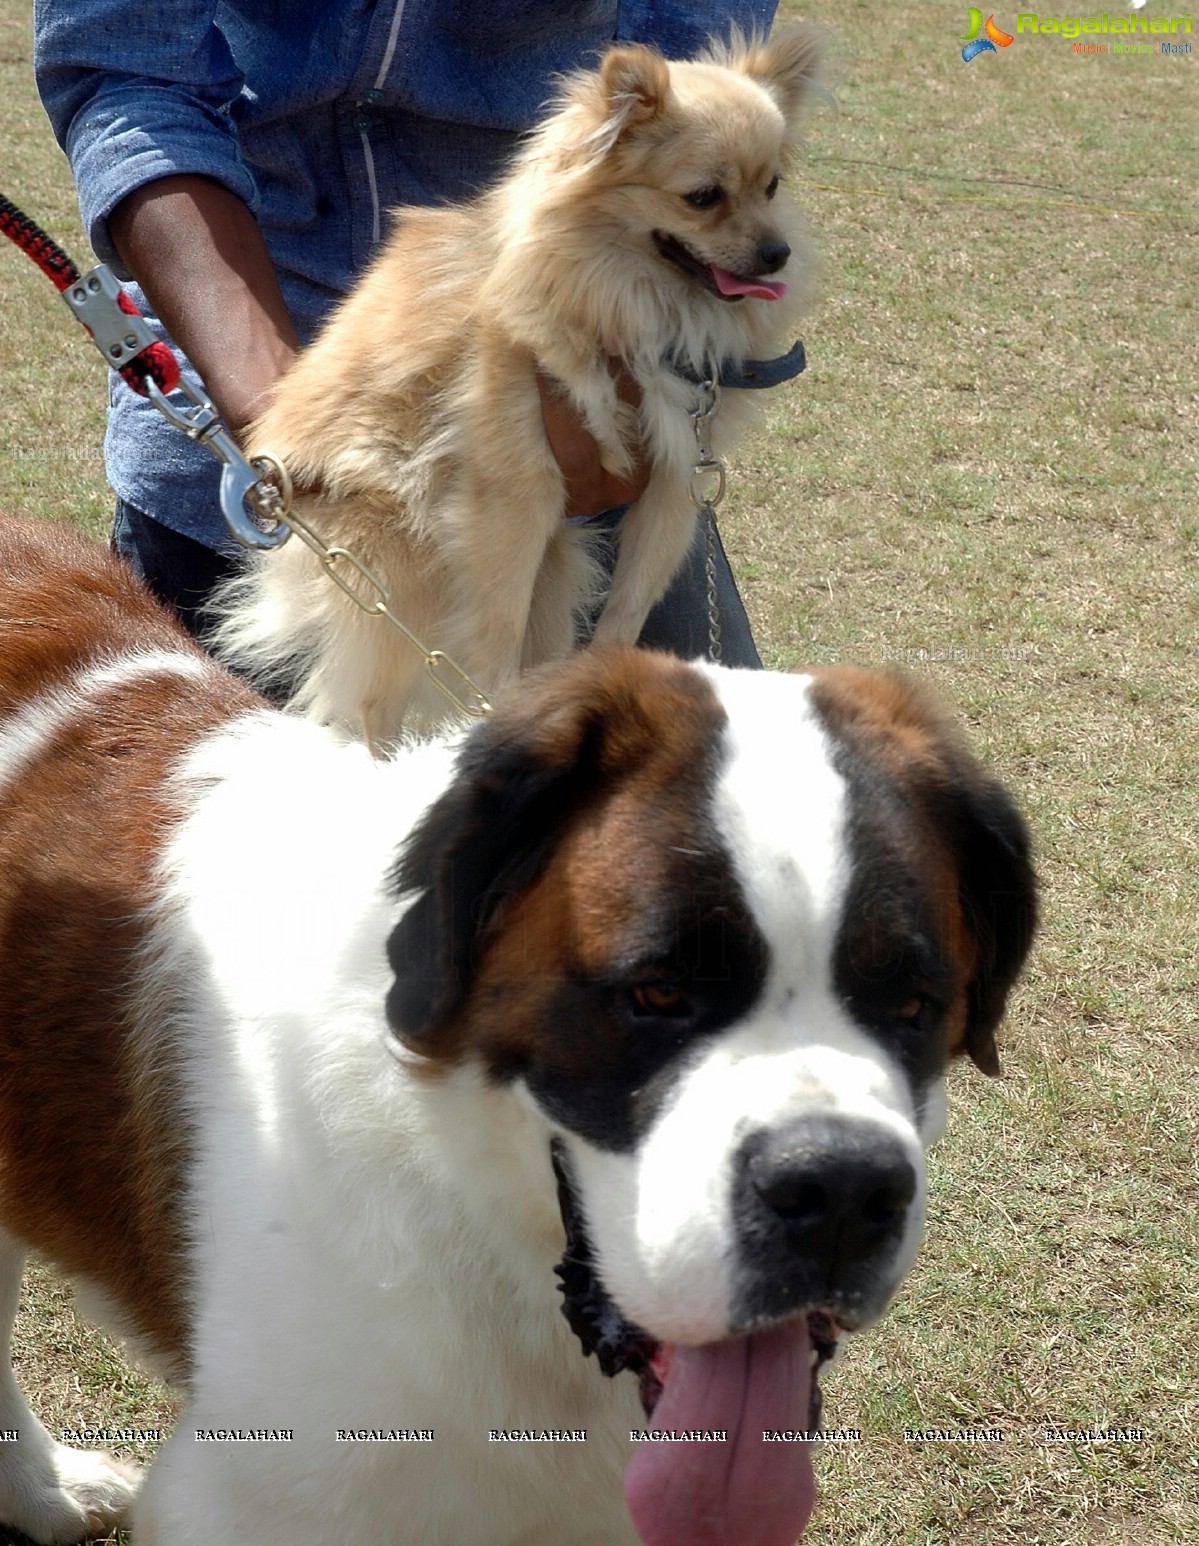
<point>991,35</point>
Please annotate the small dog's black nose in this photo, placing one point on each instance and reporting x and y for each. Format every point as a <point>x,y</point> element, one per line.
<point>838,1188</point>
<point>773,252</point>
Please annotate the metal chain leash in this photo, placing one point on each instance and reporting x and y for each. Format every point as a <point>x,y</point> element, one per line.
<point>256,501</point>
<point>707,490</point>
<point>271,497</point>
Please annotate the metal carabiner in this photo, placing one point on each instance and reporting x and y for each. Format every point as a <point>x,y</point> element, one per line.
<point>239,484</point>
<point>705,493</point>
<point>239,479</point>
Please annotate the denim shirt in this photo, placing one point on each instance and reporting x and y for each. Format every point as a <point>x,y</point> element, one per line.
<point>321,118</point>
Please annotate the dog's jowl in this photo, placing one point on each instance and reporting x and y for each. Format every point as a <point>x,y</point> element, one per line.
<point>333,1082</point>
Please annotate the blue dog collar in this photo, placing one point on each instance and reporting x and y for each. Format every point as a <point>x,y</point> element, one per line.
<point>752,373</point>
<point>748,376</point>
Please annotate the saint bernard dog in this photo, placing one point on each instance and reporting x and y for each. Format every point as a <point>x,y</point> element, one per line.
<point>367,1099</point>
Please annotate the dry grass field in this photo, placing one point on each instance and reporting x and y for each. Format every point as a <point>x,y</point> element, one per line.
<point>988,474</point>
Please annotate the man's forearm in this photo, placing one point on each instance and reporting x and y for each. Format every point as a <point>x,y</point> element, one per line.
<point>197,252</point>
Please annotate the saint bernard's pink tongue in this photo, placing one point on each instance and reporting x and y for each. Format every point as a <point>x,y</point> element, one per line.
<point>733,284</point>
<point>742,1492</point>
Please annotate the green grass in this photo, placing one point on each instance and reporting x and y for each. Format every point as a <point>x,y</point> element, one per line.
<point>52,402</point>
<point>987,473</point>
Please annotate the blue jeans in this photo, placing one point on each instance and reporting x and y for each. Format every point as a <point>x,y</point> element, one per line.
<point>179,570</point>
<point>682,622</point>
<point>183,573</point>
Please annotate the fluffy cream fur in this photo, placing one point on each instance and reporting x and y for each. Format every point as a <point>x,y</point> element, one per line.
<point>413,423</point>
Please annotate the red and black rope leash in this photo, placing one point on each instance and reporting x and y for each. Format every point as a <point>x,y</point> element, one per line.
<point>129,348</point>
<point>31,239</point>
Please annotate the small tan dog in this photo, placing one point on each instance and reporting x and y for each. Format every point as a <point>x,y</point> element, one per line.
<point>639,226</point>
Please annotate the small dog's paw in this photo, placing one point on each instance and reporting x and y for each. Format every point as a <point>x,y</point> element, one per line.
<point>628,422</point>
<point>617,453</point>
<point>617,456</point>
<point>67,1495</point>
<point>617,433</point>
<point>616,459</point>
<point>615,629</point>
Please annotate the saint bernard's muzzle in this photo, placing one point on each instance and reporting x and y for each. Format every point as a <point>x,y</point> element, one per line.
<point>722,940</point>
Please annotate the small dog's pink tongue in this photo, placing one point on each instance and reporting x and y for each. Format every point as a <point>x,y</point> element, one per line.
<point>743,1492</point>
<point>734,284</point>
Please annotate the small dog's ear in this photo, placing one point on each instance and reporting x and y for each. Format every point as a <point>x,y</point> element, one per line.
<point>787,64</point>
<point>635,81</point>
<point>627,91</point>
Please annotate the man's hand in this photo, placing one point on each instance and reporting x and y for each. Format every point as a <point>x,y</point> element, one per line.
<point>590,487</point>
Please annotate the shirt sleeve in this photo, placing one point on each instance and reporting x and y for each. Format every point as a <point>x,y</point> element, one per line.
<point>135,93</point>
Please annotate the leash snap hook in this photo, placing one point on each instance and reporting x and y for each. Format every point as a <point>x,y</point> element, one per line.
<point>705,493</point>
<point>249,508</point>
<point>249,504</point>
<point>708,473</point>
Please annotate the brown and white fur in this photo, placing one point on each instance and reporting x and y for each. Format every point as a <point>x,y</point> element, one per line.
<point>287,1034</point>
<point>414,420</point>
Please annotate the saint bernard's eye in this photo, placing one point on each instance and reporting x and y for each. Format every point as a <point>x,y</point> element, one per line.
<point>917,1013</point>
<point>772,187</point>
<point>661,1000</point>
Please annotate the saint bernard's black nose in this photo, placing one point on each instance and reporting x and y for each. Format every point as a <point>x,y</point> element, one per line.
<point>837,1187</point>
<point>819,1206</point>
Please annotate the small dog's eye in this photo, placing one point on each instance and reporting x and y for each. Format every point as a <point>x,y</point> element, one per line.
<point>772,187</point>
<point>704,198</point>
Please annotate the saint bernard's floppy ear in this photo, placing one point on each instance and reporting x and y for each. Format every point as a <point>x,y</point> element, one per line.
<point>577,733</point>
<point>998,895</point>
<point>888,722</point>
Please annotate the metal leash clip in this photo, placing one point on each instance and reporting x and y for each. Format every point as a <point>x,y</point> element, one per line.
<point>121,334</point>
<point>240,482</point>
<point>707,466</point>
<point>95,298</point>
